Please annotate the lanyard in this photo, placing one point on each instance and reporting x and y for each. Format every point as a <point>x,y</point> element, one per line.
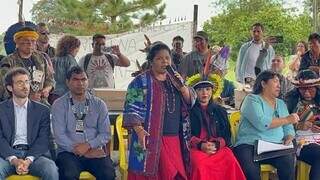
<point>82,114</point>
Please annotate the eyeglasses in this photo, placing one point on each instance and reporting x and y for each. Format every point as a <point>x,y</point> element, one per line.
<point>305,89</point>
<point>22,83</point>
<point>45,33</point>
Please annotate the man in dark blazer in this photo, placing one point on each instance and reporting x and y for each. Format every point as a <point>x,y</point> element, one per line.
<point>24,131</point>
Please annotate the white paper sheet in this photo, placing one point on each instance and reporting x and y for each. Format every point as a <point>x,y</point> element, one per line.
<point>264,146</point>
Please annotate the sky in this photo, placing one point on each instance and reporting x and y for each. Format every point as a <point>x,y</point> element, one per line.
<point>174,9</point>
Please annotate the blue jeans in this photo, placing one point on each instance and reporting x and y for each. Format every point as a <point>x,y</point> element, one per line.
<point>41,167</point>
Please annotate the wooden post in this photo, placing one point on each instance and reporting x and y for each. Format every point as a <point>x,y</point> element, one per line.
<point>195,22</point>
<point>20,3</point>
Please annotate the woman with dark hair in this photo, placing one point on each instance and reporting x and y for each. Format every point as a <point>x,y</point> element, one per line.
<point>156,112</point>
<point>67,48</point>
<point>265,117</point>
<point>311,59</point>
<point>210,155</point>
<point>294,63</point>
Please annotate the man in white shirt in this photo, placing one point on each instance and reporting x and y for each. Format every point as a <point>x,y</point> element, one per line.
<point>254,56</point>
<point>24,131</point>
<point>100,64</point>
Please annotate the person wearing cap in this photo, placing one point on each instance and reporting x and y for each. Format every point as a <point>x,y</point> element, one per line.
<point>254,56</point>
<point>265,117</point>
<point>28,57</point>
<point>210,154</point>
<point>193,62</point>
<point>311,59</point>
<point>177,52</point>
<point>277,65</point>
<point>305,100</point>
<point>156,111</point>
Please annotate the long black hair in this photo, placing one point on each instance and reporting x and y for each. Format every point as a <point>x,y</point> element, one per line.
<point>155,48</point>
<point>264,76</point>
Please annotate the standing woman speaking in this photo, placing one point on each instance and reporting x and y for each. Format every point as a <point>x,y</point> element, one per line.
<point>156,111</point>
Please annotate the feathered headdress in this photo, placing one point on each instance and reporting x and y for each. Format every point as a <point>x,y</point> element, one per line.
<point>207,77</point>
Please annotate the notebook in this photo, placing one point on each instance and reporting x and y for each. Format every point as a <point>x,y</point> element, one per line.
<point>267,150</point>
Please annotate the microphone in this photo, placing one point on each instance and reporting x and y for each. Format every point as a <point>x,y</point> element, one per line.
<point>171,71</point>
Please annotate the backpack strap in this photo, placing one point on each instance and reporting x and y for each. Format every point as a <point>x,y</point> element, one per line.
<point>86,61</point>
<point>110,59</point>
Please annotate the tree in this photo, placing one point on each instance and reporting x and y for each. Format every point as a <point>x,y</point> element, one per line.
<point>105,16</point>
<point>232,26</point>
<point>312,7</point>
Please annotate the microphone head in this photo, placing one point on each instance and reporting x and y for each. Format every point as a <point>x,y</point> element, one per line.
<point>170,69</point>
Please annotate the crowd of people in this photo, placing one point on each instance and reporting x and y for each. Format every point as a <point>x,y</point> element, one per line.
<point>53,127</point>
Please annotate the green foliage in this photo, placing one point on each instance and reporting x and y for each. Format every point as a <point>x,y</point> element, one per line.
<point>84,17</point>
<point>233,25</point>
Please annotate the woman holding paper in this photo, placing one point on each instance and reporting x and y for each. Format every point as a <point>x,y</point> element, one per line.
<point>265,117</point>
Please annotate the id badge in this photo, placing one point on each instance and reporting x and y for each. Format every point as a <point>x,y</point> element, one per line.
<point>37,76</point>
<point>79,126</point>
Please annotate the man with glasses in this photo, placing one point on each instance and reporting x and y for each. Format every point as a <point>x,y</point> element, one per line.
<point>305,100</point>
<point>43,45</point>
<point>24,131</point>
<point>193,62</point>
<point>306,92</point>
<point>277,65</point>
<point>28,57</point>
<point>43,40</point>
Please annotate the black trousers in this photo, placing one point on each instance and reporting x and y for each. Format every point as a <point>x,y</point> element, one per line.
<point>311,155</point>
<point>71,165</point>
<point>285,164</point>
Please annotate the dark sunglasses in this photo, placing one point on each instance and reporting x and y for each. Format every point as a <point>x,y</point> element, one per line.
<point>45,33</point>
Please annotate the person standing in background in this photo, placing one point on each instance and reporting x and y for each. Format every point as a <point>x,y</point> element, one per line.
<point>254,56</point>
<point>294,64</point>
<point>177,52</point>
<point>311,59</point>
<point>99,65</point>
<point>193,62</point>
<point>67,49</point>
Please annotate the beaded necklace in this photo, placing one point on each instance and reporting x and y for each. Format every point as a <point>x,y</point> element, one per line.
<point>171,109</point>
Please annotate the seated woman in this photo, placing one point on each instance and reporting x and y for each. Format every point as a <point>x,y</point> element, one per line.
<point>305,100</point>
<point>265,117</point>
<point>210,156</point>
